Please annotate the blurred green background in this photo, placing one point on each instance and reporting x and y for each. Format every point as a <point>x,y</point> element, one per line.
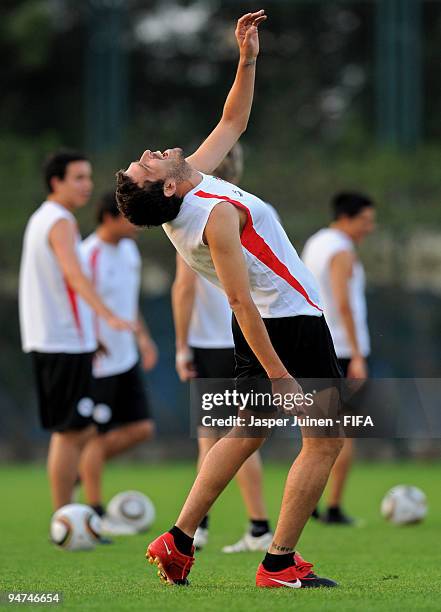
<point>347,96</point>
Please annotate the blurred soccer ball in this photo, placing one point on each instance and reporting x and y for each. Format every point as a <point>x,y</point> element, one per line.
<point>133,508</point>
<point>75,527</point>
<point>404,505</point>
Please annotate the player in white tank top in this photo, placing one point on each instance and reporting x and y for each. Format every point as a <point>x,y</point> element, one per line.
<point>121,405</point>
<point>55,317</point>
<point>230,237</point>
<point>331,256</point>
<point>202,317</point>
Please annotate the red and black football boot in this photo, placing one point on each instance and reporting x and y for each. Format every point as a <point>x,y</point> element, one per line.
<point>173,566</point>
<point>299,575</point>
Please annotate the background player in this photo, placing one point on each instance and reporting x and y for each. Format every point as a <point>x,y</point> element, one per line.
<point>56,324</point>
<point>205,348</point>
<point>121,411</point>
<point>233,239</point>
<point>331,256</point>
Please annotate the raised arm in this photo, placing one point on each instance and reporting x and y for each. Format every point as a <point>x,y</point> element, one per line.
<point>237,107</point>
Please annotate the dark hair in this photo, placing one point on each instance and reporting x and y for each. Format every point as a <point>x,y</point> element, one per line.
<point>349,204</point>
<point>145,206</point>
<point>107,205</point>
<point>56,164</point>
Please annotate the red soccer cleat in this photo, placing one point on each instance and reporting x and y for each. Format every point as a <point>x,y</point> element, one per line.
<point>173,566</point>
<point>296,576</point>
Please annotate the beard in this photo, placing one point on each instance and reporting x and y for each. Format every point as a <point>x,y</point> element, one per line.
<point>180,170</point>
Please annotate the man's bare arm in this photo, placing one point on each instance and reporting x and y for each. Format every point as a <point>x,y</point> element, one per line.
<point>183,296</point>
<point>237,107</point>
<point>62,241</point>
<point>340,275</point>
<point>222,234</point>
<point>146,345</point>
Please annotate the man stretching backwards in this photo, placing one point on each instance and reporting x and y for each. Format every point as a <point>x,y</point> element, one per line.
<point>232,238</point>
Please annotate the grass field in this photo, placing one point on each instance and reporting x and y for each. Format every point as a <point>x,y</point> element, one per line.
<point>379,567</point>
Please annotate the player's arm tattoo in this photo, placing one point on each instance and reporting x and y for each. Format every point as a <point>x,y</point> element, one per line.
<point>285,549</point>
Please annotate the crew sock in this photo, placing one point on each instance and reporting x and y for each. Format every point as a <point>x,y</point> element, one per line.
<point>277,563</point>
<point>183,542</point>
<point>259,527</point>
<point>99,509</point>
<point>204,523</point>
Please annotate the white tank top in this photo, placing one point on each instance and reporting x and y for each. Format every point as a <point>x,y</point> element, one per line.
<point>317,255</point>
<point>53,318</point>
<point>115,271</point>
<point>281,285</point>
<point>210,325</point>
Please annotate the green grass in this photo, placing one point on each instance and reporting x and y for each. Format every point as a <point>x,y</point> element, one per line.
<point>379,567</point>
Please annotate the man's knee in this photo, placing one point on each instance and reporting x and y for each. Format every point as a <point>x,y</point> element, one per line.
<point>145,430</point>
<point>77,437</point>
<point>324,447</point>
<point>251,444</point>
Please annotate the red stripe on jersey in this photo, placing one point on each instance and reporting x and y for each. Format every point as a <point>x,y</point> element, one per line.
<point>93,261</point>
<point>256,245</point>
<point>74,305</point>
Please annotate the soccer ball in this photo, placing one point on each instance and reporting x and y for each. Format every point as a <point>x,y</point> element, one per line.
<point>404,505</point>
<point>75,527</point>
<point>133,508</point>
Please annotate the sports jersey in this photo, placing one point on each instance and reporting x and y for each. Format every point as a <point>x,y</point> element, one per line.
<point>210,325</point>
<point>53,318</point>
<point>115,271</point>
<point>317,255</point>
<point>280,284</point>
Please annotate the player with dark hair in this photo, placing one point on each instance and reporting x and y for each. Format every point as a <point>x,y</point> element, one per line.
<point>233,239</point>
<point>122,411</point>
<point>205,348</point>
<point>331,256</point>
<point>55,318</point>
<point>355,206</point>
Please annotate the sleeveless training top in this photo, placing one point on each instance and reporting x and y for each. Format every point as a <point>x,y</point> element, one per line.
<point>53,318</point>
<point>317,255</point>
<point>281,285</point>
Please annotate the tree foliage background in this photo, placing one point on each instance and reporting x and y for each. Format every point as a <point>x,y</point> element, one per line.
<point>160,70</point>
<point>313,127</point>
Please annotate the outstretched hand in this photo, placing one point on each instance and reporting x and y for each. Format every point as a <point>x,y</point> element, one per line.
<point>247,34</point>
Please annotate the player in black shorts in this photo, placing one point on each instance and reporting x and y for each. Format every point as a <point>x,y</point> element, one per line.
<point>121,408</point>
<point>331,255</point>
<point>202,318</point>
<point>56,321</point>
<point>230,237</point>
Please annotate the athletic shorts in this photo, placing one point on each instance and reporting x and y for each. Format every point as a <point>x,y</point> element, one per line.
<point>120,399</point>
<point>303,343</point>
<point>63,388</point>
<point>344,365</point>
<point>214,362</point>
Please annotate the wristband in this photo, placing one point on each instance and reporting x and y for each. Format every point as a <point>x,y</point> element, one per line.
<point>184,356</point>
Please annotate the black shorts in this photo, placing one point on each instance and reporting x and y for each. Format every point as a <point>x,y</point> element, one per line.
<point>120,399</point>
<point>303,343</point>
<point>63,387</point>
<point>214,362</point>
<point>344,365</point>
